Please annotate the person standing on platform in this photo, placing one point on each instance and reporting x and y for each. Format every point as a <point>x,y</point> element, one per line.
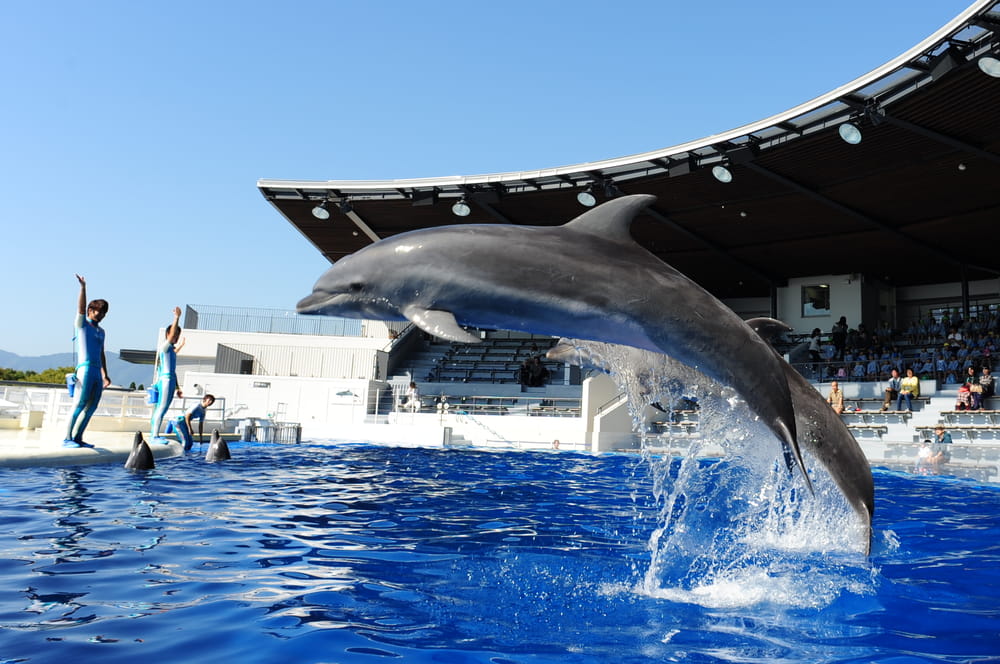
<point>166,376</point>
<point>91,366</point>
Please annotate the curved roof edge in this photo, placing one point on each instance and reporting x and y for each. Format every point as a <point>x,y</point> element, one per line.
<point>839,113</point>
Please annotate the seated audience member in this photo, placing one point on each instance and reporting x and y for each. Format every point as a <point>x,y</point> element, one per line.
<point>858,372</point>
<point>892,388</point>
<point>836,398</point>
<point>412,395</point>
<point>975,389</point>
<point>941,452</point>
<point>964,401</point>
<point>987,383</point>
<point>909,389</point>
<point>871,369</point>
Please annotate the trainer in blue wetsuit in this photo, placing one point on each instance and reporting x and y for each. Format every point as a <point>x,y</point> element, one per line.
<point>91,366</point>
<point>166,376</point>
<point>183,423</point>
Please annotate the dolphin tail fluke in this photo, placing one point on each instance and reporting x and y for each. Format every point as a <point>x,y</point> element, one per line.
<point>790,443</point>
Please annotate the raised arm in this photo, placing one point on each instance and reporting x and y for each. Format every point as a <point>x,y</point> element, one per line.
<point>174,331</point>
<point>81,307</point>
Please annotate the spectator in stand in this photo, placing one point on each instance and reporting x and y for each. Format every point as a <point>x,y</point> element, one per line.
<point>858,372</point>
<point>940,366</point>
<point>892,388</point>
<point>975,389</point>
<point>864,337</point>
<point>842,372</point>
<point>941,452</point>
<point>909,389</point>
<point>836,398</point>
<point>926,370</point>
<point>954,335</point>
<point>952,367</point>
<point>987,383</point>
<point>964,400</point>
<point>838,335</point>
<point>814,348</point>
<point>871,369</point>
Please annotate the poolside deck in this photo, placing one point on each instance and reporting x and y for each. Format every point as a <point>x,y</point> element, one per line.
<point>28,449</point>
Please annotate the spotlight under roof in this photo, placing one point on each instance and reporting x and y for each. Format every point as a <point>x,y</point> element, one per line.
<point>990,65</point>
<point>320,212</point>
<point>586,197</point>
<point>850,132</point>
<point>722,174</point>
<point>461,208</point>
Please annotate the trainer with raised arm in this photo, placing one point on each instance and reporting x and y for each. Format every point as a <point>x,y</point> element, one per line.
<point>91,365</point>
<point>166,376</point>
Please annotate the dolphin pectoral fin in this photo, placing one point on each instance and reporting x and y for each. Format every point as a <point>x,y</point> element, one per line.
<point>789,443</point>
<point>439,323</point>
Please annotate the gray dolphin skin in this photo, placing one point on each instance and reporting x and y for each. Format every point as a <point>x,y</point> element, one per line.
<point>218,450</point>
<point>141,457</point>
<point>821,431</point>
<point>587,278</point>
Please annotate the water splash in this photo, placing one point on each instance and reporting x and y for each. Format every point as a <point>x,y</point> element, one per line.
<point>737,526</point>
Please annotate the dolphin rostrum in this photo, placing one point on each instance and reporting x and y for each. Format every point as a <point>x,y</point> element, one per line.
<point>141,457</point>
<point>218,450</point>
<point>821,431</point>
<point>586,279</point>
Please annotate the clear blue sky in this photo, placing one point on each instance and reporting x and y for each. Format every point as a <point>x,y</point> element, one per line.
<point>133,133</point>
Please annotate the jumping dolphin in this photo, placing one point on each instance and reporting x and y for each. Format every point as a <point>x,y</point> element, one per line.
<point>587,279</point>
<point>141,457</point>
<point>821,431</point>
<point>218,450</point>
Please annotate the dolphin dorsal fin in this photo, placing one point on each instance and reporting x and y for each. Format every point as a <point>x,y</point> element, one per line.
<point>769,329</point>
<point>612,219</point>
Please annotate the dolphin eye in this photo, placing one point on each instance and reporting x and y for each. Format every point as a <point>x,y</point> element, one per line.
<point>355,287</point>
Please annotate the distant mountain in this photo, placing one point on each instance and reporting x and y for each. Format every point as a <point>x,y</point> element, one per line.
<point>122,373</point>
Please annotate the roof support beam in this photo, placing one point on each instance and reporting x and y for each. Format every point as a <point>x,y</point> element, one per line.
<point>840,207</point>
<point>771,279</point>
<point>956,143</point>
<point>364,227</point>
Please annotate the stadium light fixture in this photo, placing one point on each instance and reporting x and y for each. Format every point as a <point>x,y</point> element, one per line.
<point>461,208</point>
<point>722,173</point>
<point>850,132</point>
<point>320,212</point>
<point>586,197</point>
<point>990,65</point>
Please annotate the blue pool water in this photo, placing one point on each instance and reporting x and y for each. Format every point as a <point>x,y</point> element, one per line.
<point>318,553</point>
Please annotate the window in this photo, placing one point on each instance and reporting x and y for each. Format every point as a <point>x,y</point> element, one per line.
<point>816,300</point>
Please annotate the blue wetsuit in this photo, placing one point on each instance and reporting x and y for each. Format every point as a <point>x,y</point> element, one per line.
<point>90,380</point>
<point>181,426</point>
<point>166,380</point>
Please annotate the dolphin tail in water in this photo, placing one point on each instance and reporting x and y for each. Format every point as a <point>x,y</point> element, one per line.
<point>771,330</point>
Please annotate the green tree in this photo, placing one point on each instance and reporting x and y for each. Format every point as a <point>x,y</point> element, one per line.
<point>54,376</point>
<point>11,374</point>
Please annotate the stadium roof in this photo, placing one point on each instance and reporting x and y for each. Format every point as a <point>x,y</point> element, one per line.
<point>916,201</point>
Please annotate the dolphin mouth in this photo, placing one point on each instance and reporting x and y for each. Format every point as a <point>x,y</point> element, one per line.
<point>316,302</point>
